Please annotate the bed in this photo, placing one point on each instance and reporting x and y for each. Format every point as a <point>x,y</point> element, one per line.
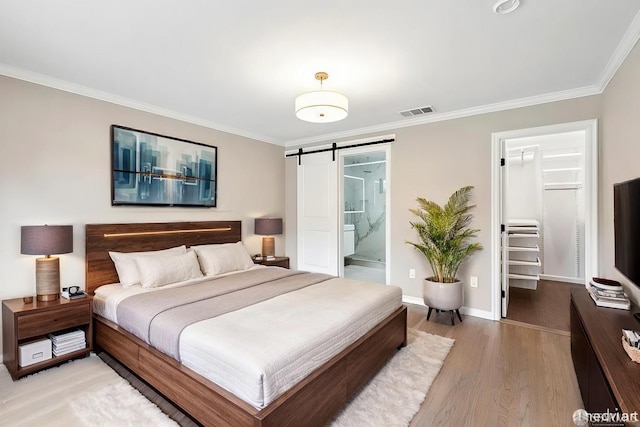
<point>311,401</point>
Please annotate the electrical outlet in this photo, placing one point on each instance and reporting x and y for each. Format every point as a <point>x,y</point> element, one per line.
<point>473,282</point>
<point>412,273</point>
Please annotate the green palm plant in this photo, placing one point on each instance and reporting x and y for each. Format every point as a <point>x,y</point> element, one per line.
<point>444,234</point>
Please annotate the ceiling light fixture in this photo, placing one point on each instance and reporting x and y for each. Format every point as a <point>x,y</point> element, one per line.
<point>322,106</point>
<point>503,7</point>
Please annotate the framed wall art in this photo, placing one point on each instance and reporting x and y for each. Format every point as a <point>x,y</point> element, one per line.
<point>157,170</point>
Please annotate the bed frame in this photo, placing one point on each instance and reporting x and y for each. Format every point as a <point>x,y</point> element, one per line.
<point>312,402</point>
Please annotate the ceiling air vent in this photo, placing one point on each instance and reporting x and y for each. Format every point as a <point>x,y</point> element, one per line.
<point>417,111</point>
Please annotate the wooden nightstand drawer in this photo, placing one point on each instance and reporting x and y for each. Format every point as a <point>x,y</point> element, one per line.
<point>61,318</point>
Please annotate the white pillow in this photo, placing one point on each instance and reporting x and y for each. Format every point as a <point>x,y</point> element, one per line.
<point>224,258</point>
<point>126,266</point>
<point>164,270</point>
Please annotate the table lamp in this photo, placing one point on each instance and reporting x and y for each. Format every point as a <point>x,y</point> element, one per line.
<point>47,240</point>
<point>268,227</point>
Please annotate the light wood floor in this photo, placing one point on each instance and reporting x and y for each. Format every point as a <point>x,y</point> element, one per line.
<point>498,374</point>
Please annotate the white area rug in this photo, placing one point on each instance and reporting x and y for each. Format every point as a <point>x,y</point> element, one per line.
<point>394,395</point>
<point>87,392</point>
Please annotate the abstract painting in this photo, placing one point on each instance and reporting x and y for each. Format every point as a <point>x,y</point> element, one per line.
<point>156,170</point>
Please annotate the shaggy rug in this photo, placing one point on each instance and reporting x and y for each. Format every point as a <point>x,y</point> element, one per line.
<point>395,394</point>
<point>87,392</point>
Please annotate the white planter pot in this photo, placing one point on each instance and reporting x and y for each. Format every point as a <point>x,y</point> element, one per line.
<point>442,296</point>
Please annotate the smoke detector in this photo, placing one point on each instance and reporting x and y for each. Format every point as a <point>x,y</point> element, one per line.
<point>502,7</point>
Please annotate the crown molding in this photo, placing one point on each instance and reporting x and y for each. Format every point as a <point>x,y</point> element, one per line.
<point>628,41</point>
<point>43,80</point>
<point>465,112</point>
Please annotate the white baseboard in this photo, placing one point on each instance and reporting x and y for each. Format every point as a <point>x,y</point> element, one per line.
<point>483,314</point>
<point>412,300</point>
<point>464,310</point>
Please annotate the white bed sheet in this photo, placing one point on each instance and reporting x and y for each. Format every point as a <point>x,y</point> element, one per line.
<point>260,351</point>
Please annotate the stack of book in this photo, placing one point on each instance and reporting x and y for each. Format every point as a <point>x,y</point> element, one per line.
<point>67,342</point>
<point>608,293</point>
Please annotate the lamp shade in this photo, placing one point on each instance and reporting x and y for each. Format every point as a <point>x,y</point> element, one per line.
<point>268,226</point>
<point>46,239</point>
<point>322,106</point>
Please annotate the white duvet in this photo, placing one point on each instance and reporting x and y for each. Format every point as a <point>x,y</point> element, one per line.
<point>261,351</point>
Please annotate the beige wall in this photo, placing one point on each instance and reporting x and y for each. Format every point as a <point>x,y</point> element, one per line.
<point>436,159</point>
<point>432,161</point>
<point>620,153</point>
<point>55,150</point>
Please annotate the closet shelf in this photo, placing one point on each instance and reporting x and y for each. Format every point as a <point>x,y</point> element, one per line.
<point>523,263</point>
<point>523,223</point>
<point>520,276</point>
<point>576,169</point>
<point>576,184</point>
<point>524,248</point>
<point>535,263</point>
<point>533,234</point>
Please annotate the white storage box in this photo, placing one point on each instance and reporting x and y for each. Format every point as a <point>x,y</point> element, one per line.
<point>34,352</point>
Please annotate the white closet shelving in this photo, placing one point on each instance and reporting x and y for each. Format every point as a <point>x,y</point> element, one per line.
<point>524,259</point>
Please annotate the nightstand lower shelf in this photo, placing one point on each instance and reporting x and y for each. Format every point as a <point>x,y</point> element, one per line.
<point>55,360</point>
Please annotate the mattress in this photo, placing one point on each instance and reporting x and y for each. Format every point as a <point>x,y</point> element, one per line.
<point>260,351</point>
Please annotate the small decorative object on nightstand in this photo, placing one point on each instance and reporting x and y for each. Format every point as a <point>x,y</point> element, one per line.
<point>23,324</point>
<point>278,261</point>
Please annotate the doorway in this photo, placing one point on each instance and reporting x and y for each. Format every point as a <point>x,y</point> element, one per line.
<point>343,195</point>
<point>364,202</point>
<point>545,215</point>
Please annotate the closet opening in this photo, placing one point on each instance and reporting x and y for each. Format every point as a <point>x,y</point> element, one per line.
<point>546,204</point>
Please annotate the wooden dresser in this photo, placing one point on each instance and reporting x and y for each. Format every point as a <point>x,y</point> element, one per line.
<point>607,377</point>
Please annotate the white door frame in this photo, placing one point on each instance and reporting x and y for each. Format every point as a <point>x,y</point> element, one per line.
<point>590,127</point>
<point>387,219</point>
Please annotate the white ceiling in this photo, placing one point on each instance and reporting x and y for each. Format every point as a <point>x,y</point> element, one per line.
<point>238,65</point>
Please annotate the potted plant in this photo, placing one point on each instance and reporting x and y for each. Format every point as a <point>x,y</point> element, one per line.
<point>444,241</point>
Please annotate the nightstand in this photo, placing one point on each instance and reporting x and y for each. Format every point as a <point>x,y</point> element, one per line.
<point>279,261</point>
<point>23,323</point>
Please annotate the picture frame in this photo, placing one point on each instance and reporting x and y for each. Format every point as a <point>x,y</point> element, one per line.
<point>150,169</point>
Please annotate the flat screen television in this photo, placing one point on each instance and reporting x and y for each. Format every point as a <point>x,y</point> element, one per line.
<point>626,221</point>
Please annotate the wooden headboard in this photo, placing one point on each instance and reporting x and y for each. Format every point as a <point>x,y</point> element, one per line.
<point>135,237</point>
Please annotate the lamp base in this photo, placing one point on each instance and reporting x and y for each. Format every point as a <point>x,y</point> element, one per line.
<point>268,246</point>
<point>50,297</point>
<point>47,279</point>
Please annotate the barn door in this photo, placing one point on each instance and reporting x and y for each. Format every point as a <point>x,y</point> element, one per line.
<point>318,214</point>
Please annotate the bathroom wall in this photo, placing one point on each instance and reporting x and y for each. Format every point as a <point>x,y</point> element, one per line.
<point>370,224</point>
